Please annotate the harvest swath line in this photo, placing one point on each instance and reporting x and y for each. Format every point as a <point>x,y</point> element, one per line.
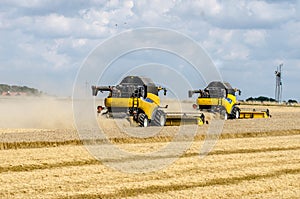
<point>31,167</point>
<point>37,144</point>
<point>218,152</point>
<point>130,192</point>
<point>159,139</point>
<point>261,150</point>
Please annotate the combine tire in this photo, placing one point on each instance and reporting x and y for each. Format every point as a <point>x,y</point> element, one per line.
<point>143,120</point>
<point>159,118</point>
<point>224,114</point>
<point>235,113</point>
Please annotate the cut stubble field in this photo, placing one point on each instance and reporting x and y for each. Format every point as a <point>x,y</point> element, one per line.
<point>254,158</point>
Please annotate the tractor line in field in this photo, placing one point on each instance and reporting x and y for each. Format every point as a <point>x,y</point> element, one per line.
<point>156,189</point>
<point>5,145</point>
<point>91,161</point>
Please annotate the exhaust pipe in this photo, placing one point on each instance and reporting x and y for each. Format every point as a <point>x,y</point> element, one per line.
<point>191,92</point>
<point>95,89</point>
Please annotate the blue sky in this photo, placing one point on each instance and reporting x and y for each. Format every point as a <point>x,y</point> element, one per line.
<point>44,43</point>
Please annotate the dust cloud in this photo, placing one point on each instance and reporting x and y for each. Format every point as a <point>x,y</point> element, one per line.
<point>36,112</point>
<point>54,113</point>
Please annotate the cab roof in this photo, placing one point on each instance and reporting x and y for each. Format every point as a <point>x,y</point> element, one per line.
<point>136,80</point>
<point>220,85</point>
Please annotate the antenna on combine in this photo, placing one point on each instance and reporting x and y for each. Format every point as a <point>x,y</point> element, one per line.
<point>278,88</point>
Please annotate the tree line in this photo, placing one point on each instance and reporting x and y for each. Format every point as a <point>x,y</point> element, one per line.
<point>5,88</point>
<point>267,99</point>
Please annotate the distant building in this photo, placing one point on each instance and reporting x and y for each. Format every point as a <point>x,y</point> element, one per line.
<point>8,93</point>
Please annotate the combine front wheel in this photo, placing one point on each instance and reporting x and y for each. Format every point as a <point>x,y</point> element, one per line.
<point>143,120</point>
<point>235,113</point>
<point>224,114</point>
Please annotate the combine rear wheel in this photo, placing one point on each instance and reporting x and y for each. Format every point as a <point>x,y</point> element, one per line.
<point>159,118</point>
<point>143,120</point>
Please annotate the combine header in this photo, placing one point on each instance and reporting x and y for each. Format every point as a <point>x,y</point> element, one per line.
<point>137,98</point>
<point>221,97</point>
<point>177,119</point>
<point>254,113</point>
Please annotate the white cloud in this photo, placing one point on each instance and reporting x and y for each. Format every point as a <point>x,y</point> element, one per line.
<point>128,4</point>
<point>58,61</point>
<point>255,37</point>
<point>79,42</point>
<point>271,12</point>
<point>24,3</point>
<point>253,14</point>
<point>237,53</point>
<point>53,24</point>
<point>211,8</point>
<point>292,34</point>
<point>201,8</point>
<point>221,35</point>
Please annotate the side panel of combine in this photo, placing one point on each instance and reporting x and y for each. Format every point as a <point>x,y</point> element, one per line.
<point>117,103</point>
<point>153,98</point>
<point>147,107</point>
<point>208,103</point>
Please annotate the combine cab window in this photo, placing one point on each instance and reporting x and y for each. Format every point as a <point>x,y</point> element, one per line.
<point>216,92</point>
<point>127,91</point>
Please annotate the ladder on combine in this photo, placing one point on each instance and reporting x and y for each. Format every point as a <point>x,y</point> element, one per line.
<point>220,101</point>
<point>135,102</point>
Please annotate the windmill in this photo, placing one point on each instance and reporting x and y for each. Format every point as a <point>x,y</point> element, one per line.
<point>278,88</point>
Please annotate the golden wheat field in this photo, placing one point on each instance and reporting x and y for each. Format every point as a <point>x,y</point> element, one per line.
<point>41,156</point>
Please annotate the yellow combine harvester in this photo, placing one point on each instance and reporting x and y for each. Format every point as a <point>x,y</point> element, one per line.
<point>221,97</point>
<point>137,97</point>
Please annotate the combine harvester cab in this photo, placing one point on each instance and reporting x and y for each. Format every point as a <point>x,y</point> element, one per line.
<point>137,98</point>
<point>220,97</point>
